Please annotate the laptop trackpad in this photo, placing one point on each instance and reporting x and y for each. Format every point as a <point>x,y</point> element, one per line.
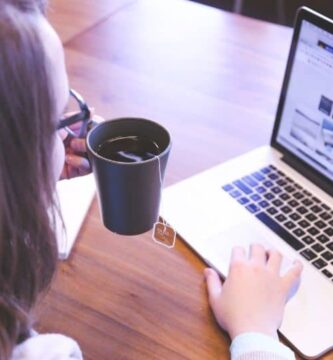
<point>242,234</point>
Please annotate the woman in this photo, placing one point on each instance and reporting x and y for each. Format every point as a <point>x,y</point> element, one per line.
<point>34,92</point>
<point>33,95</point>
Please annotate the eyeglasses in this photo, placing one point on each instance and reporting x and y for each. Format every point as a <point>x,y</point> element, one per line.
<point>77,115</point>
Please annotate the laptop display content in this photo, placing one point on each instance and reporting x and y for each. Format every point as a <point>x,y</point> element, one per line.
<point>306,124</point>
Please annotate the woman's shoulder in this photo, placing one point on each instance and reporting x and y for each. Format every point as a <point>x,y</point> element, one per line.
<point>47,346</point>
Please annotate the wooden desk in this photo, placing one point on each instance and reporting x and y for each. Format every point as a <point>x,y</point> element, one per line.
<point>213,80</point>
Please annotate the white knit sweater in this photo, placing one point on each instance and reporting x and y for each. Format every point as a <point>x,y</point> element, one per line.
<point>47,347</point>
<point>247,346</point>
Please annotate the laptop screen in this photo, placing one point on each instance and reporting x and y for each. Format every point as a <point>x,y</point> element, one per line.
<point>306,122</point>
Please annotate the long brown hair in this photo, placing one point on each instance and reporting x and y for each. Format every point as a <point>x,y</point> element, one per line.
<point>28,250</point>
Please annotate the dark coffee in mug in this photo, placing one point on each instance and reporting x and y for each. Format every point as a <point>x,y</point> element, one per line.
<point>128,149</point>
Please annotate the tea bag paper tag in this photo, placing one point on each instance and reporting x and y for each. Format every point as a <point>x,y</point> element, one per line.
<point>164,234</point>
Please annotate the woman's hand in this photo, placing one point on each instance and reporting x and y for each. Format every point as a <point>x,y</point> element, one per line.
<point>76,161</point>
<point>253,296</point>
<point>76,157</point>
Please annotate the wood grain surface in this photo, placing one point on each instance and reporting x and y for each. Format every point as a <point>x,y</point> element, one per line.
<point>213,79</point>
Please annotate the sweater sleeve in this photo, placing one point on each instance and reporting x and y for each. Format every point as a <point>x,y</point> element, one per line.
<point>257,346</point>
<point>47,347</point>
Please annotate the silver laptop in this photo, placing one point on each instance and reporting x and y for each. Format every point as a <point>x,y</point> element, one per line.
<point>279,195</point>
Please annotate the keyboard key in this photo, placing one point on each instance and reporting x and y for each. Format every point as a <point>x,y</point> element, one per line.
<point>263,203</point>
<point>297,186</point>
<point>260,189</point>
<point>307,202</point>
<point>320,224</point>
<point>316,209</point>
<point>284,196</point>
<point>227,187</point>
<point>327,273</point>
<point>243,200</point>
<point>313,231</point>
<point>326,207</point>
<point>272,211</point>
<point>302,210</point>
<point>319,263</point>
<point>311,217</point>
<point>327,255</point>
<point>330,246</point>
<point>281,182</point>
<point>323,238</point>
<point>249,181</point>
<point>289,188</point>
<point>317,248</point>
<point>253,208</point>
<point>285,209</point>
<point>280,218</point>
<point>258,176</point>
<point>315,199</point>
<point>298,232</point>
<point>241,186</point>
<point>279,230</point>
<point>294,216</point>
<point>298,195</point>
<point>330,222</point>
<point>268,183</point>
<point>293,203</point>
<point>289,225</point>
<point>329,231</point>
<point>255,197</point>
<point>325,215</point>
<point>265,170</point>
<point>304,224</point>
<point>277,202</point>
<point>308,254</point>
<point>276,190</point>
<point>269,196</point>
<point>273,176</point>
<point>235,193</point>
<point>308,240</point>
<point>272,167</point>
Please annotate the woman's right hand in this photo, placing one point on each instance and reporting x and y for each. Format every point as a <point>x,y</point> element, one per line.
<point>253,296</point>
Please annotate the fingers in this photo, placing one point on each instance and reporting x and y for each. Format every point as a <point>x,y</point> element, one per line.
<point>77,165</point>
<point>274,260</point>
<point>78,145</point>
<point>258,254</point>
<point>293,275</point>
<point>214,284</point>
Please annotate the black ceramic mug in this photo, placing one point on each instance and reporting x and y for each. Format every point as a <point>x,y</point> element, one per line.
<point>128,192</point>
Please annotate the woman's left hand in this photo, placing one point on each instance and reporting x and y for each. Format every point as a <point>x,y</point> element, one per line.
<point>76,157</point>
<point>76,161</point>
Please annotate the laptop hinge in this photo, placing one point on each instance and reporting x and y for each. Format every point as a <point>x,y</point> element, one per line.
<point>309,173</point>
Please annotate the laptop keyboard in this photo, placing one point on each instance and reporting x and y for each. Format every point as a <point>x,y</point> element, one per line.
<point>293,213</point>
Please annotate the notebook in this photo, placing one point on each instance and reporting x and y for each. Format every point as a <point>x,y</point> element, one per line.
<point>75,197</point>
<point>278,195</point>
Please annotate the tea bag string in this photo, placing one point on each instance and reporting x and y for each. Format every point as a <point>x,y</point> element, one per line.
<point>167,232</point>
